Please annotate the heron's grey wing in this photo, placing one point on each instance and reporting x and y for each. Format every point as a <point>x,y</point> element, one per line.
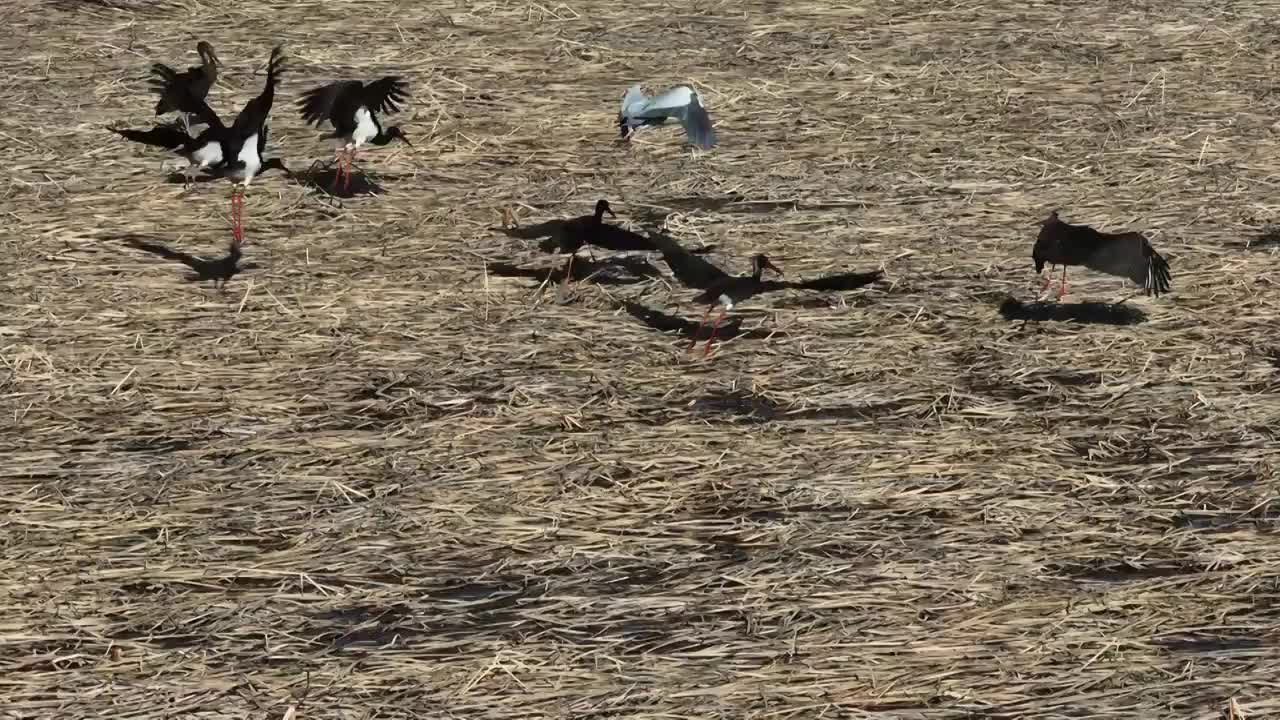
<point>634,101</point>
<point>1125,255</point>
<point>682,102</point>
<point>670,103</point>
<point>697,124</point>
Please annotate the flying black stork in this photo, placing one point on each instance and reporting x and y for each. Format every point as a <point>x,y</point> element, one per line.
<point>1128,255</point>
<point>176,90</point>
<point>235,152</point>
<point>728,291</point>
<point>680,102</point>
<point>351,107</point>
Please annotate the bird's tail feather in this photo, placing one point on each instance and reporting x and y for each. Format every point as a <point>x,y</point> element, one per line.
<point>1158,278</point>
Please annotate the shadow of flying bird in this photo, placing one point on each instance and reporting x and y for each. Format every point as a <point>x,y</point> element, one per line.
<point>219,270</point>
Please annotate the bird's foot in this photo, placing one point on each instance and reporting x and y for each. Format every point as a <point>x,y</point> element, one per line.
<point>1062,291</point>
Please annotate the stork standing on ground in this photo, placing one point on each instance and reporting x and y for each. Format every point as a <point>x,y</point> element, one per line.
<point>680,102</point>
<point>727,292</point>
<point>351,107</point>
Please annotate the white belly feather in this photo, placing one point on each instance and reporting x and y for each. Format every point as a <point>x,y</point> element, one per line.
<point>249,156</point>
<point>366,128</point>
<point>210,154</point>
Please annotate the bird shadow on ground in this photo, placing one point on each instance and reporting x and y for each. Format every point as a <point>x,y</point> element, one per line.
<point>1267,239</point>
<point>610,271</point>
<point>743,407</point>
<point>219,269</point>
<point>730,327</point>
<point>321,178</point>
<point>739,203</point>
<point>1090,312</point>
<point>179,178</point>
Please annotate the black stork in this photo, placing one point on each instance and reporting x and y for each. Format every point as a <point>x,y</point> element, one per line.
<point>351,107</point>
<point>236,152</point>
<point>680,102</point>
<point>730,290</point>
<point>176,89</point>
<point>1128,255</point>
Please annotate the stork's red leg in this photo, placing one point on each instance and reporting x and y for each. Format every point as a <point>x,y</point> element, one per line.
<point>707,350</point>
<point>694,340</point>
<point>1062,289</point>
<point>346,179</point>
<point>337,173</point>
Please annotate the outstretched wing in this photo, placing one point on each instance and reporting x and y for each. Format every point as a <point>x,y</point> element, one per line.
<point>1130,255</point>
<point>680,102</point>
<point>255,112</point>
<point>178,91</point>
<point>169,137</point>
<point>163,77</point>
<point>385,95</point>
<point>330,102</point>
<point>840,281</point>
<point>634,102</point>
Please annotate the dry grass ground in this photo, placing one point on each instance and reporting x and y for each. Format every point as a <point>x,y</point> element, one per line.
<point>375,479</point>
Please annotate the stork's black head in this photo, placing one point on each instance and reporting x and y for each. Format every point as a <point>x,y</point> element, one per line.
<point>205,50</point>
<point>1039,261</point>
<point>392,133</point>
<point>602,207</point>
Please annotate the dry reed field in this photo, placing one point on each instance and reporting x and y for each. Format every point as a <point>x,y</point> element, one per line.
<point>390,472</point>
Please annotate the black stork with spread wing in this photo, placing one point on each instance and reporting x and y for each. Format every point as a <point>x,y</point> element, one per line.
<point>235,152</point>
<point>1128,255</point>
<point>351,107</point>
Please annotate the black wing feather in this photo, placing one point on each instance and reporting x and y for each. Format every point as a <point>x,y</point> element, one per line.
<point>335,102</point>
<point>255,112</point>
<point>385,95</point>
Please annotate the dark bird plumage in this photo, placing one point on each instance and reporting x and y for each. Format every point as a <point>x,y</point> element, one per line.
<point>1128,254</point>
<point>235,152</point>
<point>176,90</point>
<point>728,291</point>
<point>219,270</point>
<point>352,108</point>
<point>340,104</point>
